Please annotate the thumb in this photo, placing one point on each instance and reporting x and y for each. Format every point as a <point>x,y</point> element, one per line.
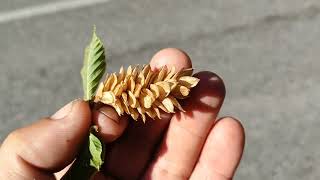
<point>47,146</point>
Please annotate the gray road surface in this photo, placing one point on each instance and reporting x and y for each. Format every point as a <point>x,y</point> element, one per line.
<point>267,51</point>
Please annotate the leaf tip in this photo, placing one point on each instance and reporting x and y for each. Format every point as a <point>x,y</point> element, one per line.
<point>94,29</point>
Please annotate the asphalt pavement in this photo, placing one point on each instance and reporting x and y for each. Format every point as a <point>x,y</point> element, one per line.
<point>266,51</point>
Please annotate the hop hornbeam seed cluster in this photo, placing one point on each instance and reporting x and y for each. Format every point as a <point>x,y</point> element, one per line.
<point>141,91</point>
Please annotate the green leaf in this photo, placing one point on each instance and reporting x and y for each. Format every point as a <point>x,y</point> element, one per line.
<point>94,66</point>
<point>90,159</point>
<point>91,156</point>
<point>96,148</point>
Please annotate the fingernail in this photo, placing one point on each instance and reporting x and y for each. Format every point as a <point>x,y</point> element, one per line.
<point>64,111</point>
<point>110,113</point>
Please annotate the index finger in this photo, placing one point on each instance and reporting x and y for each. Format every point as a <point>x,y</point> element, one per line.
<point>135,148</point>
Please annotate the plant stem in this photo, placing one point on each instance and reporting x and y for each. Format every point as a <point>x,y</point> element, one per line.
<point>86,163</point>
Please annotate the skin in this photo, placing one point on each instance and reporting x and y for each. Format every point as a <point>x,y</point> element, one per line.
<point>190,145</point>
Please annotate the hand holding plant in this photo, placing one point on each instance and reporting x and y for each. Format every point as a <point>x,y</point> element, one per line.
<point>187,144</point>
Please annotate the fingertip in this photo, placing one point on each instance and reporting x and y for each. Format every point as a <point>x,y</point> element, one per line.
<point>231,128</point>
<point>211,83</point>
<point>110,124</point>
<point>232,124</point>
<point>80,115</point>
<point>224,146</point>
<point>171,57</point>
<point>208,95</point>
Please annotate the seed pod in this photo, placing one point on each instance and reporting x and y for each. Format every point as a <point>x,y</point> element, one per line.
<point>141,92</point>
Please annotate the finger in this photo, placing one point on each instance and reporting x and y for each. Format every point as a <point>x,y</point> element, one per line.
<point>110,125</point>
<point>187,131</point>
<point>46,146</point>
<point>130,154</point>
<point>171,57</point>
<point>222,151</point>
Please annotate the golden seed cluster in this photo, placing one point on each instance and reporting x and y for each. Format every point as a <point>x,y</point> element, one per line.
<point>139,91</point>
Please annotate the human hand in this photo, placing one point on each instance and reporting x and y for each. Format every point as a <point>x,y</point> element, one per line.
<point>190,145</point>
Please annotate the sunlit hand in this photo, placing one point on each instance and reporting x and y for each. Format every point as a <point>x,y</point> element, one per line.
<point>191,145</point>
